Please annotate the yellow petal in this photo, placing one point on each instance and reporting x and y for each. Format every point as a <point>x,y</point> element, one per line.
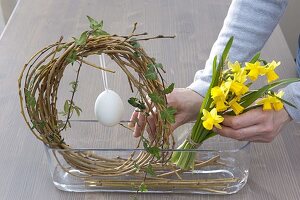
<point>205,114</point>
<point>217,93</point>
<point>278,106</point>
<point>236,107</point>
<point>235,67</point>
<point>280,94</point>
<point>244,90</point>
<point>220,106</point>
<point>219,119</point>
<point>253,74</point>
<point>236,87</point>
<point>267,106</point>
<point>218,126</point>
<point>273,65</point>
<point>271,76</point>
<point>208,124</point>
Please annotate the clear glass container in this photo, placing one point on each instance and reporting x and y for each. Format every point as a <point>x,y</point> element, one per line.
<point>223,163</point>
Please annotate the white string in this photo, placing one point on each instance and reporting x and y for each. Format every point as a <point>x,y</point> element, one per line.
<point>104,75</point>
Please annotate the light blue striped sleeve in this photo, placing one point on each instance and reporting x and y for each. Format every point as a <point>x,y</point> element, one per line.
<point>251,22</point>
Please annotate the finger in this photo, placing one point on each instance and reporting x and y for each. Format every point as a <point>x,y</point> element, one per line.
<point>140,125</point>
<point>247,119</point>
<point>151,126</point>
<point>179,120</point>
<point>133,119</point>
<point>239,134</point>
<point>257,139</point>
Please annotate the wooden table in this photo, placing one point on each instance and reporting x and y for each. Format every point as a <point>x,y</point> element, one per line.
<point>275,167</point>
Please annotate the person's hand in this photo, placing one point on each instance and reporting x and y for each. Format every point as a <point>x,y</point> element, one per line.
<point>186,102</point>
<point>255,125</point>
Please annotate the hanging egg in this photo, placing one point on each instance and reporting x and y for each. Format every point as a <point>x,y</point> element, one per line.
<point>109,108</point>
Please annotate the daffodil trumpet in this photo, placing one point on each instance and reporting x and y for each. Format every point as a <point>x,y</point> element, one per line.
<point>229,94</point>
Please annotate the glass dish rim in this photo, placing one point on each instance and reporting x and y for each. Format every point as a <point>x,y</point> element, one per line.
<point>142,149</point>
<point>247,143</point>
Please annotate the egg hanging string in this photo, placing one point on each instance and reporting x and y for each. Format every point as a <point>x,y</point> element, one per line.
<point>104,74</point>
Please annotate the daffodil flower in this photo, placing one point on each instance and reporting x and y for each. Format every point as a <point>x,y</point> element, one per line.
<point>236,87</point>
<point>236,107</point>
<point>211,119</point>
<point>241,76</point>
<point>235,67</point>
<point>271,102</point>
<point>255,69</point>
<point>270,73</point>
<point>219,96</point>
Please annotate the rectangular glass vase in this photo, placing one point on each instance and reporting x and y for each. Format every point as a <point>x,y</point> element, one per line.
<point>105,159</point>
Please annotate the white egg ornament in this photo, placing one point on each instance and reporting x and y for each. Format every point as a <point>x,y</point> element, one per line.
<point>109,108</point>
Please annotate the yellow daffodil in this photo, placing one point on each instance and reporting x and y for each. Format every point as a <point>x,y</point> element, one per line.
<point>270,73</point>
<point>241,76</point>
<point>219,96</point>
<point>236,87</point>
<point>271,102</point>
<point>221,106</point>
<point>236,107</point>
<point>211,119</point>
<point>255,69</point>
<point>235,67</point>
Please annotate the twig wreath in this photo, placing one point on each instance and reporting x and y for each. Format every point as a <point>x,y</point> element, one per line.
<point>38,88</point>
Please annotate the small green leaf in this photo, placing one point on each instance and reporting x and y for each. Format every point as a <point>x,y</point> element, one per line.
<point>30,100</point>
<point>169,89</point>
<point>155,98</point>
<point>168,114</point>
<point>137,54</point>
<point>150,170</point>
<point>77,110</point>
<point>82,40</point>
<point>100,32</point>
<point>136,103</point>
<point>151,73</point>
<point>143,188</point>
<point>154,151</point>
<point>61,47</point>
<point>134,43</point>
<point>66,106</point>
<point>38,124</point>
<point>72,57</point>
<point>159,65</point>
<point>94,25</point>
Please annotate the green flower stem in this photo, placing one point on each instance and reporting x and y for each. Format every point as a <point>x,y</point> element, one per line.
<point>185,159</point>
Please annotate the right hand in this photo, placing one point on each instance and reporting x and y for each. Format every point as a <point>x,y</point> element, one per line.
<point>187,104</point>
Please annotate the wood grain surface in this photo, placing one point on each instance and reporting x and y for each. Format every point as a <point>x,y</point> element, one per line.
<point>275,167</point>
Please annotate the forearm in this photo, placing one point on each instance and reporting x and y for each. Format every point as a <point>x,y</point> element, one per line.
<point>251,22</point>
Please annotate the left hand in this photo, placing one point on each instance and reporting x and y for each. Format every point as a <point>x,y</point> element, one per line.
<point>256,125</point>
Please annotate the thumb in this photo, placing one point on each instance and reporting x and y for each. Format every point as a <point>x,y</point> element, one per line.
<point>178,122</point>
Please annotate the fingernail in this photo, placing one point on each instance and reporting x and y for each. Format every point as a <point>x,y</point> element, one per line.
<point>130,124</point>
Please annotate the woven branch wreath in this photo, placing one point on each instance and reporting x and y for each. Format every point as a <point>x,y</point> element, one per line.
<point>40,79</point>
